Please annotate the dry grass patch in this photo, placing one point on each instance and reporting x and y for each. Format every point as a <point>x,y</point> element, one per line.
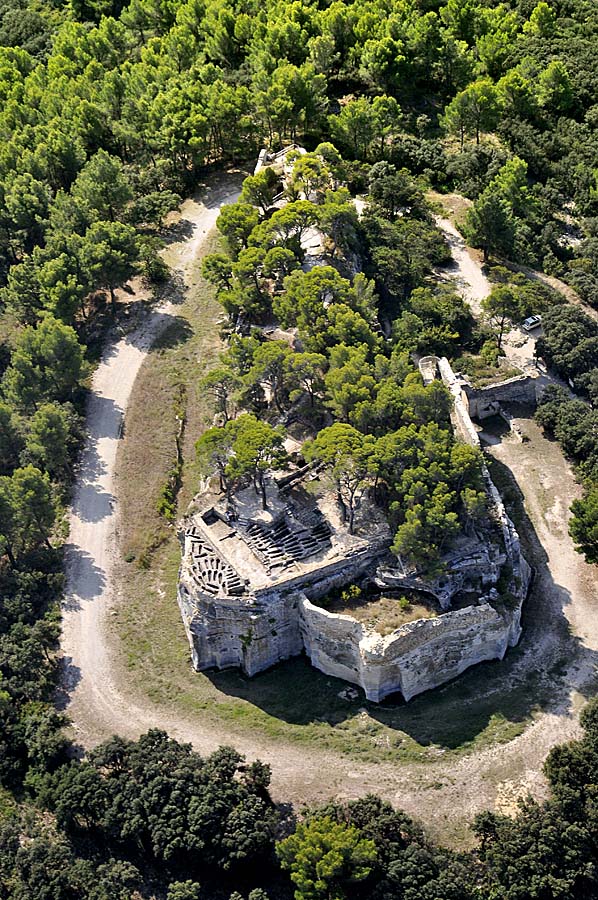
<point>452,206</point>
<point>383,614</point>
<point>168,383</point>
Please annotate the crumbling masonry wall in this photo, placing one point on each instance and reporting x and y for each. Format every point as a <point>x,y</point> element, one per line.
<point>255,631</point>
<point>232,623</point>
<point>426,653</point>
<point>486,401</point>
<point>416,657</point>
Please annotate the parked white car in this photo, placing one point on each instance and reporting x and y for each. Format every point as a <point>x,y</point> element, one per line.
<point>532,322</point>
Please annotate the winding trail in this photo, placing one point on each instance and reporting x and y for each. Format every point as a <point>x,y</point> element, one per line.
<point>88,687</point>
<point>444,794</point>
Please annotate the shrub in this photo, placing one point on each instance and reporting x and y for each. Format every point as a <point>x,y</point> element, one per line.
<point>351,593</point>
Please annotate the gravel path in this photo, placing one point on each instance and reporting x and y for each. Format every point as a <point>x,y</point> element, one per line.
<point>90,692</point>
<point>466,270</point>
<point>444,794</point>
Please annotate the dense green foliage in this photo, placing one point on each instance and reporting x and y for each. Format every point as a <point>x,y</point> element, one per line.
<point>166,801</point>
<point>110,110</point>
<point>344,376</point>
<point>165,88</point>
<point>131,805</point>
<point>137,805</point>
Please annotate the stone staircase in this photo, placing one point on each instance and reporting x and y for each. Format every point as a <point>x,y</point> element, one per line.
<point>281,545</point>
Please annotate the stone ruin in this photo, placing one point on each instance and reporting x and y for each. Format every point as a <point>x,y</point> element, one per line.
<point>487,401</point>
<point>250,582</point>
<point>242,579</point>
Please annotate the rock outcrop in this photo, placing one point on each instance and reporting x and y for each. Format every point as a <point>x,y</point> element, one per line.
<point>248,589</point>
<point>417,656</point>
<point>245,607</point>
<point>258,627</point>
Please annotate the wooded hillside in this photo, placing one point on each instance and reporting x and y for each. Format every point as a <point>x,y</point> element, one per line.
<point>110,113</point>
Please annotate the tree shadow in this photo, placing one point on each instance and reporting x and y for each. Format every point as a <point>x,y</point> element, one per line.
<point>179,331</point>
<point>216,187</point>
<point>178,231</point>
<point>173,290</point>
<point>147,334</point>
<point>70,676</point>
<point>103,417</point>
<point>494,429</point>
<point>536,676</point>
<point>92,503</point>
<point>84,579</point>
<point>90,466</point>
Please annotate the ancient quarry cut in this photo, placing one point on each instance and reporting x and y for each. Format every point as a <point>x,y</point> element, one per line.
<point>254,584</point>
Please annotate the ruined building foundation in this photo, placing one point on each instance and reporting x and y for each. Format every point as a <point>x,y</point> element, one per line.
<point>248,592</point>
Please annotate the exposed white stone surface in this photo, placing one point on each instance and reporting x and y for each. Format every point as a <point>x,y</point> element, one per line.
<point>246,590</point>
<point>254,622</point>
<point>416,657</point>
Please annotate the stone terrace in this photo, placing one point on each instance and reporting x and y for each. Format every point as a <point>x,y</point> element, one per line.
<point>260,549</point>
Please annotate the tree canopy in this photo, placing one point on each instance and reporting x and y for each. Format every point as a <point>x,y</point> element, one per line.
<point>111,111</point>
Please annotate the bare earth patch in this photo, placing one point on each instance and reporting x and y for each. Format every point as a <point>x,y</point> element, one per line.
<point>455,206</point>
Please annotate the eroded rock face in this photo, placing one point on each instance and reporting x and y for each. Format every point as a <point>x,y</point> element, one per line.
<point>476,568</point>
<point>255,629</point>
<point>249,634</point>
<point>246,592</point>
<point>416,657</point>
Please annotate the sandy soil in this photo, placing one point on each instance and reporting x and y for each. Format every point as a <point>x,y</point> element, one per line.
<point>560,642</point>
<point>466,269</point>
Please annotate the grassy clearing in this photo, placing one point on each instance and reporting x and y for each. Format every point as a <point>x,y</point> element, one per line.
<point>452,206</point>
<point>292,702</point>
<point>169,378</point>
<point>383,614</point>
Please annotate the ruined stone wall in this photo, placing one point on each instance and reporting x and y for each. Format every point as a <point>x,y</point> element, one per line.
<point>486,401</point>
<point>322,580</point>
<point>416,657</point>
<point>256,630</point>
<point>462,424</point>
<point>255,633</point>
<point>467,431</point>
<point>332,641</point>
<point>243,633</point>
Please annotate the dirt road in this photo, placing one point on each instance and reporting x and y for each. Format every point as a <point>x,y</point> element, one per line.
<point>443,794</point>
<point>92,539</point>
<point>466,270</point>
